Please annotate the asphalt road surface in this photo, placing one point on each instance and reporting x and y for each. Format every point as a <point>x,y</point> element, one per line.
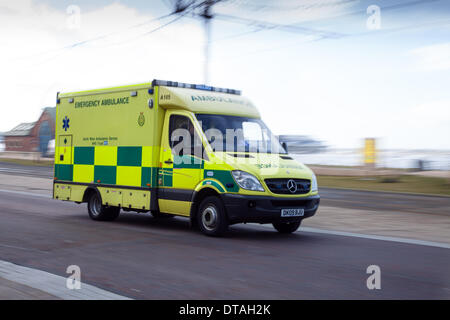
<point>141,257</point>
<point>339,198</point>
<point>384,201</point>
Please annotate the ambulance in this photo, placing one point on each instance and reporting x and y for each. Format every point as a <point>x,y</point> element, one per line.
<point>177,149</point>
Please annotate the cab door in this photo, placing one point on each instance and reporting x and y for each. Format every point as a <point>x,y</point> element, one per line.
<point>180,169</point>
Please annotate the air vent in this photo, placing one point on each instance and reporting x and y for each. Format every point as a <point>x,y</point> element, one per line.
<point>286,158</point>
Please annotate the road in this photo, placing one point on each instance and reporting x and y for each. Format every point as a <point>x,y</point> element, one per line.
<point>144,258</point>
<point>385,201</point>
<point>332,197</point>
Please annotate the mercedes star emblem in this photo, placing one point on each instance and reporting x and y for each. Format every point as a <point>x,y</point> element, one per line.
<point>292,186</point>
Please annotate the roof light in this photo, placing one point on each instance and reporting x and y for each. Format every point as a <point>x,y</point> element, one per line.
<point>204,87</point>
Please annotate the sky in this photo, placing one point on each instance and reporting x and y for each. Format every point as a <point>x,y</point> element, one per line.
<point>336,70</point>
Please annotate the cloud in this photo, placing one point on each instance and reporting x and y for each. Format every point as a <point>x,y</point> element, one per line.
<point>425,125</point>
<point>287,11</point>
<point>336,91</point>
<point>37,57</point>
<point>434,57</point>
<point>430,114</point>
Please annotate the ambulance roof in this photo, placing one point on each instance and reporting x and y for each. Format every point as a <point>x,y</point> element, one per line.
<point>199,101</point>
<point>195,98</point>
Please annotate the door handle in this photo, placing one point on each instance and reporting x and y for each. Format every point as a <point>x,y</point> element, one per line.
<point>168,162</point>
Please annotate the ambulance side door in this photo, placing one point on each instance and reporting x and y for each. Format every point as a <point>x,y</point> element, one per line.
<point>180,170</point>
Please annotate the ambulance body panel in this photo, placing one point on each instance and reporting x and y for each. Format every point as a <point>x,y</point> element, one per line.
<point>113,150</point>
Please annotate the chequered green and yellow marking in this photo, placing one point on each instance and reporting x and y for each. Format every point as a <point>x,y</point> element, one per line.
<point>133,166</point>
<point>126,166</point>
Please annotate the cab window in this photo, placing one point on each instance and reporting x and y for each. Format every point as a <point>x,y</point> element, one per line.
<point>182,137</point>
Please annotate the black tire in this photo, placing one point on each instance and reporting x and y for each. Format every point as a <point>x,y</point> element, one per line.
<point>99,212</point>
<point>211,217</point>
<point>160,215</point>
<point>286,227</point>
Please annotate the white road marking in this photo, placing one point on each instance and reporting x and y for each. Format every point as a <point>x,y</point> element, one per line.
<point>31,194</point>
<point>376,237</point>
<point>22,248</point>
<point>53,284</point>
<point>29,172</point>
<point>367,236</point>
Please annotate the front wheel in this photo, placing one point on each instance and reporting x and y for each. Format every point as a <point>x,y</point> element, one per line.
<point>286,227</point>
<point>211,217</point>
<point>97,211</point>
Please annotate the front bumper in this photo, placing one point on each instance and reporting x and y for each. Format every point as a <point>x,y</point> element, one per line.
<point>266,209</point>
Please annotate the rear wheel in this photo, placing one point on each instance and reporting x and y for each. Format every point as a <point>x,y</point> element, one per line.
<point>286,227</point>
<point>99,212</point>
<point>211,217</point>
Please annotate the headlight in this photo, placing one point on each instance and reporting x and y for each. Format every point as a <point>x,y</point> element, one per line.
<point>314,186</point>
<point>247,181</point>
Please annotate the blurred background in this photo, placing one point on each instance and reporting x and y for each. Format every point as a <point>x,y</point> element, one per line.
<point>357,89</point>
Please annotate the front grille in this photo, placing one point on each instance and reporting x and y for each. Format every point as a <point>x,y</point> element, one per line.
<point>280,186</point>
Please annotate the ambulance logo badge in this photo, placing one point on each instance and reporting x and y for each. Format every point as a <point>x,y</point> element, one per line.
<point>141,119</point>
<point>66,123</point>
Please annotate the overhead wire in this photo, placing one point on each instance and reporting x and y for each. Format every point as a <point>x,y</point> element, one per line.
<point>100,37</point>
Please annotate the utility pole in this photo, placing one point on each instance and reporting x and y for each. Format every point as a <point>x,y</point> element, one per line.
<point>207,16</point>
<point>204,10</point>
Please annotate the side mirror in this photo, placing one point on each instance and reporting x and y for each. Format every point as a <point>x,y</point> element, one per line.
<point>284,145</point>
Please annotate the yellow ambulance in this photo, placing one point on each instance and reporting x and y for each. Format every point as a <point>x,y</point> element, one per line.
<point>177,149</point>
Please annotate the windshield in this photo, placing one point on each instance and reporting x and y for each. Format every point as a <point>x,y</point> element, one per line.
<point>238,134</point>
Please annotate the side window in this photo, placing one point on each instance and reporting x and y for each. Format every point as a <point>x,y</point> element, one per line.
<point>183,138</point>
<point>181,135</point>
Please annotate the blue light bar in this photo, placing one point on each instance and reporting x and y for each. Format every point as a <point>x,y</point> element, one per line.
<point>203,87</point>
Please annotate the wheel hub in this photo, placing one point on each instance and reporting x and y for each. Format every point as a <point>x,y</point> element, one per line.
<point>209,218</point>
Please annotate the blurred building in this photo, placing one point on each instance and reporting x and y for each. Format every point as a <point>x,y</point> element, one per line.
<point>34,136</point>
<point>2,143</point>
<point>302,144</point>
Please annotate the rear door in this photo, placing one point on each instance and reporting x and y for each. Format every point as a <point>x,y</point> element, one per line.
<point>64,162</point>
<point>65,149</point>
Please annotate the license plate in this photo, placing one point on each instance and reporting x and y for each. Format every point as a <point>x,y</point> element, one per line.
<point>292,212</point>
